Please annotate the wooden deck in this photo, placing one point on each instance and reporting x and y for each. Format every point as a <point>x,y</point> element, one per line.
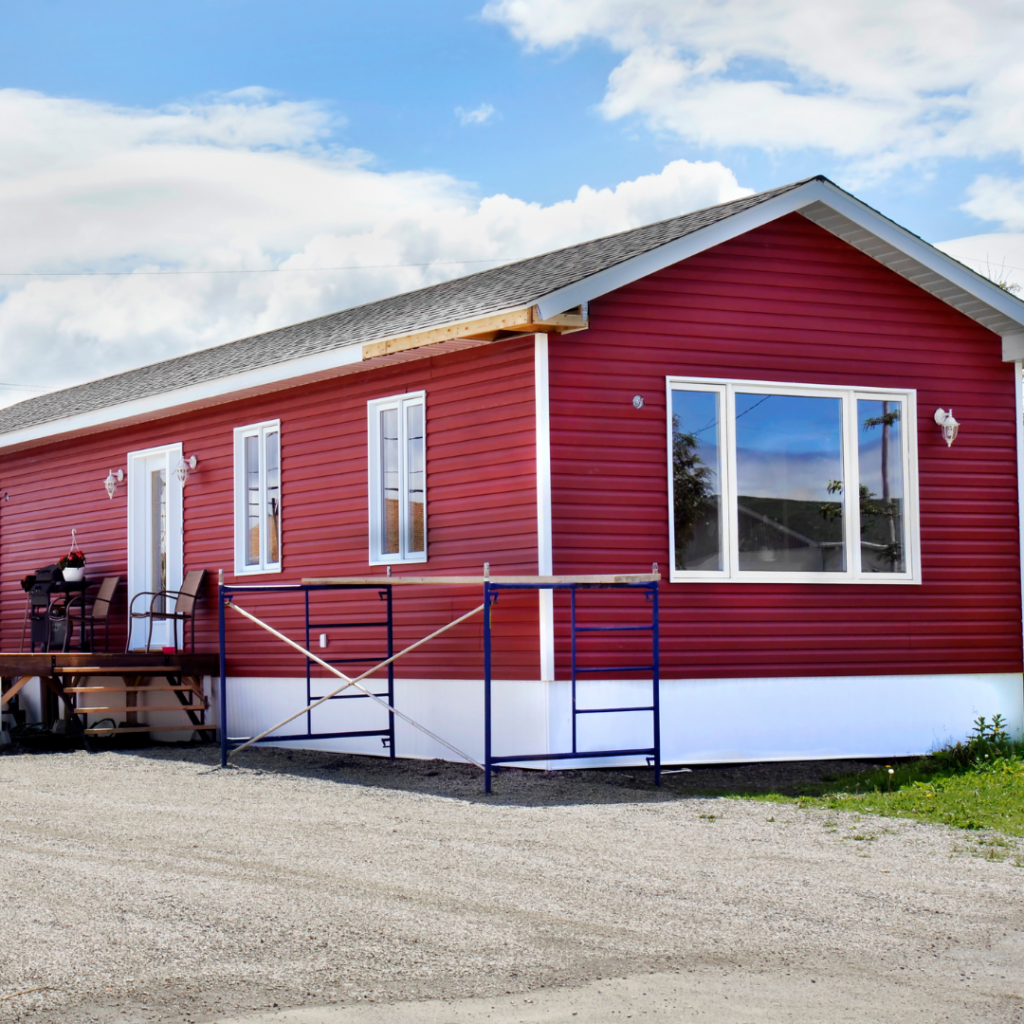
<point>67,675</point>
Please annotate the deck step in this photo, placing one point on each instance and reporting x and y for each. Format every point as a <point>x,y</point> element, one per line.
<point>118,670</point>
<point>148,709</point>
<point>150,728</point>
<point>129,689</point>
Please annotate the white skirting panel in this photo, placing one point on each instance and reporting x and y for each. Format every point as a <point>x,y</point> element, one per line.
<point>703,721</point>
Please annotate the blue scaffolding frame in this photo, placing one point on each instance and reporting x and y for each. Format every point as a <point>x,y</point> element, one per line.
<point>226,592</point>
<point>492,591</point>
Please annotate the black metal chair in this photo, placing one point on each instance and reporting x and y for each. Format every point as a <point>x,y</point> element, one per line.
<point>184,610</point>
<point>99,612</point>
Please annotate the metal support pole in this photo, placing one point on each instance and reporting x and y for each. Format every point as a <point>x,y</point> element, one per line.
<point>656,682</point>
<point>223,672</point>
<point>391,674</point>
<point>572,634</point>
<point>487,687</point>
<point>309,669</point>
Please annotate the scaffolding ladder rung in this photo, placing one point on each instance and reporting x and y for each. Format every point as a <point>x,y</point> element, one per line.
<point>618,668</point>
<point>614,629</point>
<point>608,711</point>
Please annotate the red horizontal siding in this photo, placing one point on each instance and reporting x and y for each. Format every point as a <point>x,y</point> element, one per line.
<point>480,494</point>
<point>790,302</point>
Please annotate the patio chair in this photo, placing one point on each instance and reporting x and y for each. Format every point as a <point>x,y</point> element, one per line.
<point>99,612</point>
<point>184,610</point>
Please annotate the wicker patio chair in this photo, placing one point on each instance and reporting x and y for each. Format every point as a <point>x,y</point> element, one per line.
<point>184,610</point>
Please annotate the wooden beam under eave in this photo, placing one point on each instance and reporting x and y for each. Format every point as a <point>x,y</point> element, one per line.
<point>489,328</point>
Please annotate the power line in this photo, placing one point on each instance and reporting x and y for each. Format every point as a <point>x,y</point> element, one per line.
<point>262,270</point>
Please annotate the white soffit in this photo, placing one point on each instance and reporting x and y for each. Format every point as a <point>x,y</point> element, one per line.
<point>929,278</point>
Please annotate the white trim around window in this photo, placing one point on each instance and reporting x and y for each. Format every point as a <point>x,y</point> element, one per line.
<point>397,455</point>
<point>258,498</point>
<point>761,493</point>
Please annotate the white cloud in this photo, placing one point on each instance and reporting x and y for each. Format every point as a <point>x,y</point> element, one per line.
<point>243,181</point>
<point>879,82</point>
<point>479,115</point>
<point>999,256</point>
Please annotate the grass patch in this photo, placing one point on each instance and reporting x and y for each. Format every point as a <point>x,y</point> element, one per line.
<point>975,784</point>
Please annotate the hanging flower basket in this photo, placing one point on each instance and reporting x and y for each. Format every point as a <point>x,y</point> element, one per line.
<point>72,565</point>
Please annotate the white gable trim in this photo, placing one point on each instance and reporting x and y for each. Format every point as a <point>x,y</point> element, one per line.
<point>921,263</point>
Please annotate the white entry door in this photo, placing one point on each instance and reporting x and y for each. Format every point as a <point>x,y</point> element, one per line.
<point>155,549</point>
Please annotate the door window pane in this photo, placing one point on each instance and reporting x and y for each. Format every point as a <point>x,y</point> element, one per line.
<point>252,499</point>
<point>390,539</point>
<point>789,469</point>
<point>696,479</point>
<point>158,533</point>
<point>880,454</point>
<point>415,476</point>
<point>273,498</point>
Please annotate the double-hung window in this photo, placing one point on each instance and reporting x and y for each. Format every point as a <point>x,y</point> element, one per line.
<point>791,483</point>
<point>398,479</point>
<point>258,498</point>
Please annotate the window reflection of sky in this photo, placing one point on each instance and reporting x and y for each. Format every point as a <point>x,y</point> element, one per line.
<point>788,446</point>
<point>696,413</point>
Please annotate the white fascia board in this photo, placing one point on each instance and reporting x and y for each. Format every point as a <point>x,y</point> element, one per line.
<point>1013,347</point>
<point>170,401</point>
<point>790,202</point>
<point>224,388</point>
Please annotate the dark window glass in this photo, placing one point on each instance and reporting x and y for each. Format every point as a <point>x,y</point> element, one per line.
<point>880,457</point>
<point>696,479</point>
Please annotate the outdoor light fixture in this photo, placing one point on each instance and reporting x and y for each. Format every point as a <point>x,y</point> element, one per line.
<point>184,467</point>
<point>948,424</point>
<point>638,401</point>
<point>113,479</point>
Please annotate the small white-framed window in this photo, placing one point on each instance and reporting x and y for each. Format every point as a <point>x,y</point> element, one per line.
<point>791,483</point>
<point>258,498</point>
<point>398,478</point>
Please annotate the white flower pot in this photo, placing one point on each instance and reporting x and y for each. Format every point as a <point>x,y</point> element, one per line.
<point>74,575</point>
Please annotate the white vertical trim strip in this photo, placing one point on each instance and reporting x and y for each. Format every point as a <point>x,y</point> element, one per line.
<point>1018,404</point>
<point>545,556</point>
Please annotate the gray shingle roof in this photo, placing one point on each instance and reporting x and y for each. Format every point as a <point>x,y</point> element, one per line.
<point>512,286</point>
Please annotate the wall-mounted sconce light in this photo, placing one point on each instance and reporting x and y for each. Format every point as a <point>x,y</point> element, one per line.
<point>638,401</point>
<point>948,424</point>
<point>113,479</point>
<point>184,467</point>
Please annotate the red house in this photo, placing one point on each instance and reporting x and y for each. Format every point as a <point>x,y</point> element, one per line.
<point>748,395</point>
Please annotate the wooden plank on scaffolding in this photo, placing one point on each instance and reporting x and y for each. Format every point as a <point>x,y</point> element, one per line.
<point>479,581</point>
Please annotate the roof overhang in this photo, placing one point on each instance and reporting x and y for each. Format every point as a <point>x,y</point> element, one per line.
<point>355,358</point>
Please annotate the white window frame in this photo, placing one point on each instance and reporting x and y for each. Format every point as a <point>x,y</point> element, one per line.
<point>374,408</point>
<point>260,430</point>
<point>726,390</point>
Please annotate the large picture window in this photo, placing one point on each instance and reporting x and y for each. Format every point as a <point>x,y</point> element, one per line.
<point>258,498</point>
<point>398,479</point>
<point>786,483</point>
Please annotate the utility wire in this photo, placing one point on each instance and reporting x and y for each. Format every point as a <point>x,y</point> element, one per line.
<point>262,270</point>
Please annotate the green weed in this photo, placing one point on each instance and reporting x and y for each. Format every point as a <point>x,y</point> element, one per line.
<point>974,784</point>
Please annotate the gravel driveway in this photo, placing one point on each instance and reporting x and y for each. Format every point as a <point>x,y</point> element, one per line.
<point>148,886</point>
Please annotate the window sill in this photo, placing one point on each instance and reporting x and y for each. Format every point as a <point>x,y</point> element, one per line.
<point>250,571</point>
<point>871,579</point>
<point>398,561</point>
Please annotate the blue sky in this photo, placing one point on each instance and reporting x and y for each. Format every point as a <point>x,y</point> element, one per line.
<point>222,134</point>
